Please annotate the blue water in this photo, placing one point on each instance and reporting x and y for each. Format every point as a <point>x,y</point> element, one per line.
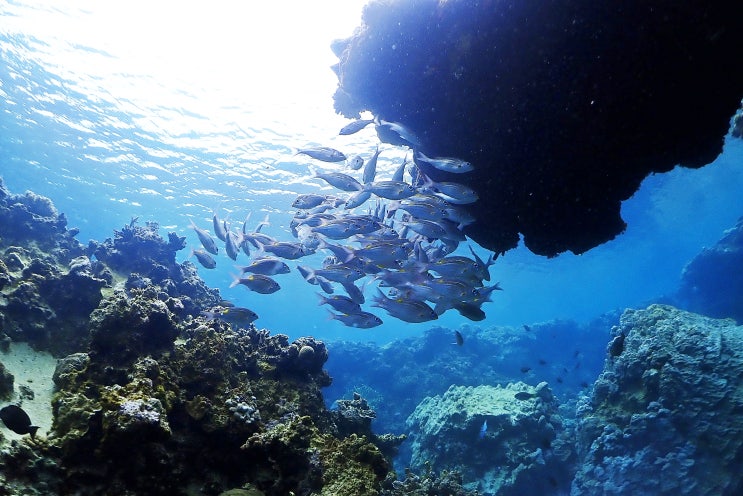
<point>108,139</point>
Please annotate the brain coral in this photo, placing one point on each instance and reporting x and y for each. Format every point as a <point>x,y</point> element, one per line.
<point>664,416</point>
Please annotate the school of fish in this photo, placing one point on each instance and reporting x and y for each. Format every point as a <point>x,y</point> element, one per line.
<point>395,234</point>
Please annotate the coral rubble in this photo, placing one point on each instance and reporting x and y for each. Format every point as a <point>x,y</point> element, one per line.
<point>664,416</point>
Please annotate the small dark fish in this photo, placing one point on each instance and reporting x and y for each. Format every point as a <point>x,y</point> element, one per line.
<point>527,328</point>
<point>523,395</point>
<point>559,379</point>
<point>542,361</point>
<point>524,370</point>
<point>17,420</point>
<point>460,339</point>
<point>206,260</point>
<point>323,153</point>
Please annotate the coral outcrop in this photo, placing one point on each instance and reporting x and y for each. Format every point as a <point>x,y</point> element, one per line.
<point>50,283</point>
<point>395,377</point>
<point>501,436</point>
<point>247,405</point>
<point>664,416</point>
<point>152,398</point>
<point>711,282</point>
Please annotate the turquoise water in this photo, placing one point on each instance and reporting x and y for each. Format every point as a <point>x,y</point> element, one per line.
<point>175,113</point>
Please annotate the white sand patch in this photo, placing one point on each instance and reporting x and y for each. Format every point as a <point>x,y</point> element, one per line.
<point>34,370</point>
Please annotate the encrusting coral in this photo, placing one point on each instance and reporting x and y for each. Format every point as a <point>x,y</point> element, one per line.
<point>664,416</point>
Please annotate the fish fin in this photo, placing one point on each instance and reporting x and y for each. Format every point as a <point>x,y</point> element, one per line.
<point>32,430</point>
<point>262,223</point>
<point>235,280</point>
<point>322,297</point>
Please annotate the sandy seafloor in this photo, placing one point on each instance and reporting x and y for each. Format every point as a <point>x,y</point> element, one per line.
<point>33,369</point>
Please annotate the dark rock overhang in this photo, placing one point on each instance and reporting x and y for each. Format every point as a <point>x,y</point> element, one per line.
<point>562,106</point>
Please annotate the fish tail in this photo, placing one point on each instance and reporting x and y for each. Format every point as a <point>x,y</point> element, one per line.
<point>235,280</point>
<point>262,223</point>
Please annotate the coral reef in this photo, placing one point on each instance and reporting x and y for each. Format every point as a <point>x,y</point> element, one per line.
<point>711,282</point>
<point>664,416</point>
<point>50,283</point>
<point>141,256</point>
<point>247,405</point>
<point>500,436</point>
<point>150,397</point>
<point>395,377</point>
<point>426,484</point>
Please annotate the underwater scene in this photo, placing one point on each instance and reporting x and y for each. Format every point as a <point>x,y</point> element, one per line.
<point>371,247</point>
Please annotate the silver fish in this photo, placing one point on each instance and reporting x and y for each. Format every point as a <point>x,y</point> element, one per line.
<point>400,171</point>
<point>267,266</point>
<point>356,163</point>
<point>361,320</point>
<point>456,193</point>
<point>219,230</point>
<point>357,199</point>
<point>482,267</point>
<point>370,169</point>
<point>324,153</point>
<point>340,303</point>
<point>286,250</point>
<point>256,282</point>
<point>407,310</point>
<point>341,181</point>
<point>232,245</point>
<point>403,132</point>
<point>391,190</point>
<point>206,240</point>
<point>234,315</point>
<point>454,165</point>
<point>355,126</point>
<point>308,201</point>
<point>335,273</point>
<point>427,228</point>
<point>353,292</point>
<point>309,276</point>
<point>206,260</point>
